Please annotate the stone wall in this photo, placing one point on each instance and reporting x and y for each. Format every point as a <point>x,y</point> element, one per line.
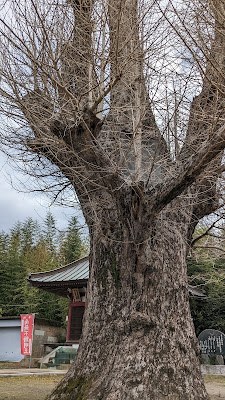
<point>213,369</point>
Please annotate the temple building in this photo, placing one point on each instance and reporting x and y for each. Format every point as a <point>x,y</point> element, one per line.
<point>69,281</point>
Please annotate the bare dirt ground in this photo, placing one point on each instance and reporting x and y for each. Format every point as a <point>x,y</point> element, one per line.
<point>38,387</point>
<point>215,386</point>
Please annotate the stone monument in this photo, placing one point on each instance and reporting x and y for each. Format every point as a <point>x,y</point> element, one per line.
<point>212,345</point>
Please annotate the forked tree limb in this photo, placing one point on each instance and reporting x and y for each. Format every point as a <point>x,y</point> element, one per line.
<point>185,175</point>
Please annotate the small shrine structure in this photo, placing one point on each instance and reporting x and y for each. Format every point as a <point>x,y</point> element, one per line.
<point>69,281</point>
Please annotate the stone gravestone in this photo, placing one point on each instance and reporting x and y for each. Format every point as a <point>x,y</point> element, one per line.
<point>212,345</point>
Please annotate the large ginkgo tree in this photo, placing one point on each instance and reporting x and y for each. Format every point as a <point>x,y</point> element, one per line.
<point>123,101</point>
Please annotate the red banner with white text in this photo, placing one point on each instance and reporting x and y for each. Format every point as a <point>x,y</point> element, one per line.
<point>27,325</point>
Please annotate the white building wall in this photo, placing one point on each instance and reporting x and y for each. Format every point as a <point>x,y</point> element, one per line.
<point>10,341</point>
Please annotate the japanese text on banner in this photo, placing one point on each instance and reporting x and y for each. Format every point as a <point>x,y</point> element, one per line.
<point>27,323</point>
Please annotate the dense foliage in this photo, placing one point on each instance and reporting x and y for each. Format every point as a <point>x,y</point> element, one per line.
<point>208,275</point>
<point>31,247</point>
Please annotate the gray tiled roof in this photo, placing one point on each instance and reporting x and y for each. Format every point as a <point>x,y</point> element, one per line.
<point>195,291</point>
<point>77,270</point>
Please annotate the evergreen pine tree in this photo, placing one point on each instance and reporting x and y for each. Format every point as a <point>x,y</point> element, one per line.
<point>73,242</point>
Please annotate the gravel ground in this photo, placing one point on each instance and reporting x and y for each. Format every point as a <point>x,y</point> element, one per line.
<point>38,387</point>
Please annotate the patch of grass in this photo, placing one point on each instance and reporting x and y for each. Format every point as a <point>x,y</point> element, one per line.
<point>27,387</point>
<point>9,365</point>
<point>214,378</point>
<point>38,387</point>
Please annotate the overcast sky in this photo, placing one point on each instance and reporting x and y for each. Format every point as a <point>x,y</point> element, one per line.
<point>17,206</point>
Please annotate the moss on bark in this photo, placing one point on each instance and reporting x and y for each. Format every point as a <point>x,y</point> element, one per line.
<point>76,389</point>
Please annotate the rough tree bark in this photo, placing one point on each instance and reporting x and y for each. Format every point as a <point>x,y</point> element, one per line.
<point>141,206</point>
<point>138,336</point>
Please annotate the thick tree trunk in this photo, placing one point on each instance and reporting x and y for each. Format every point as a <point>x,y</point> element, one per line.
<point>138,337</point>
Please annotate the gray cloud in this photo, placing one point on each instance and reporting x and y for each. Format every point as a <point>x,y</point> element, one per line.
<point>16,206</point>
